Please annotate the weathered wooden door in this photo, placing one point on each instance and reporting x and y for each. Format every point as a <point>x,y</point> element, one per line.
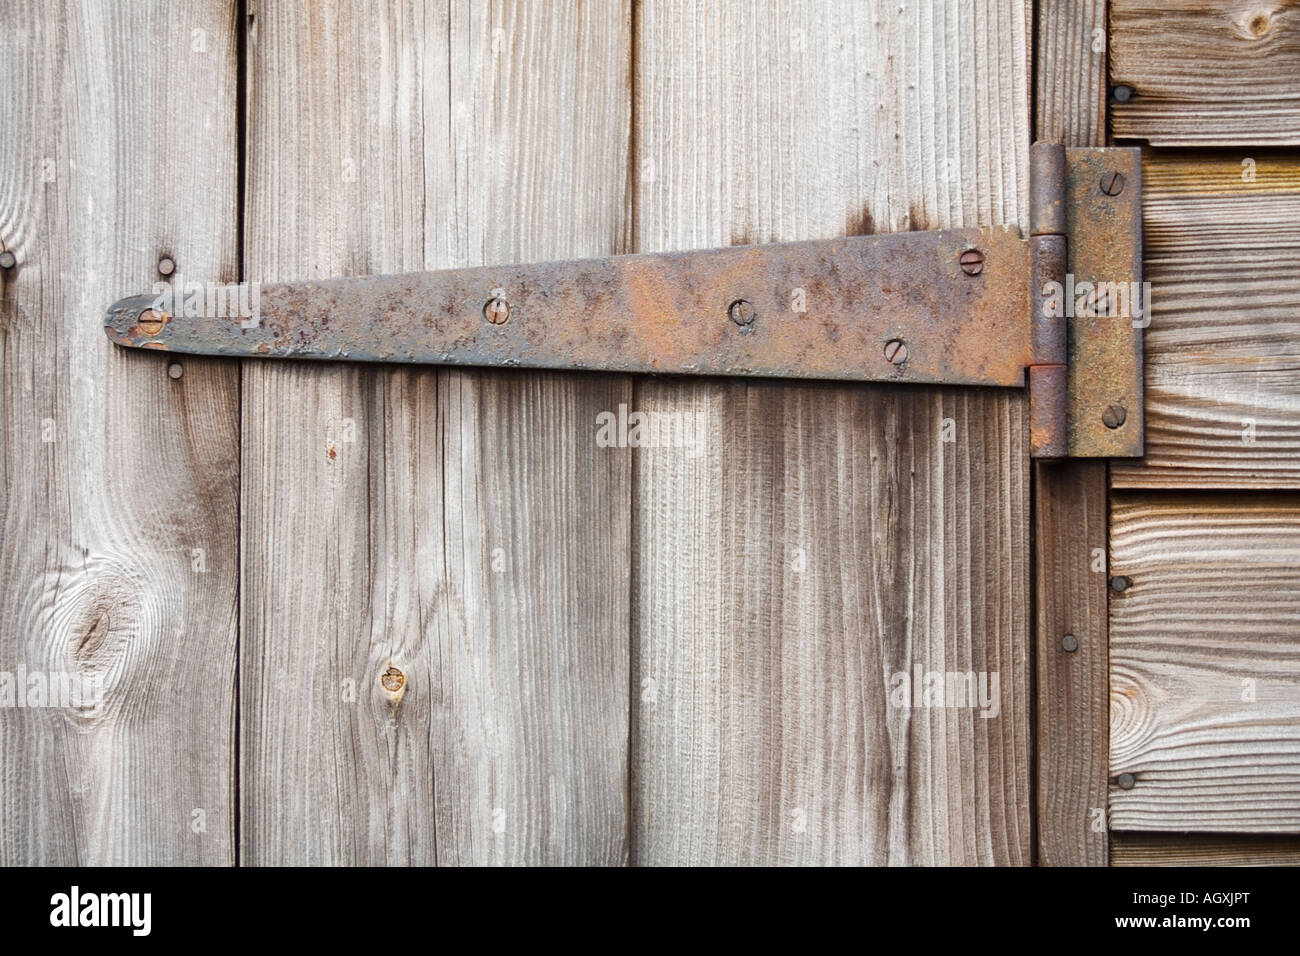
<point>352,614</point>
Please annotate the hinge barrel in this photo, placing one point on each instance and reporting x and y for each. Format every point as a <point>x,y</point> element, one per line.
<point>1048,256</point>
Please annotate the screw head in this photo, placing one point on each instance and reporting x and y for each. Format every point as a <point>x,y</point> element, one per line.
<point>896,351</point>
<point>151,321</point>
<point>497,310</point>
<point>8,260</point>
<point>166,266</point>
<point>1114,416</point>
<point>1112,183</point>
<point>742,312</point>
<point>1121,93</point>
<point>1126,781</point>
<point>972,262</point>
<point>175,370</point>
<point>1120,584</point>
<point>1070,643</point>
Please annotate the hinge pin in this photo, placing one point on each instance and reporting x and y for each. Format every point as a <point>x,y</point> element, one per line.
<point>1049,255</point>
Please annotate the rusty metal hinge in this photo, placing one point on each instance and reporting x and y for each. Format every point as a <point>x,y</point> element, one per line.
<point>957,306</point>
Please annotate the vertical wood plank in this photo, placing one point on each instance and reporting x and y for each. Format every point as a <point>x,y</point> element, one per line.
<point>435,562</point>
<point>1071,694</point>
<point>816,540</point>
<point>120,483</point>
<point>1070,72</point>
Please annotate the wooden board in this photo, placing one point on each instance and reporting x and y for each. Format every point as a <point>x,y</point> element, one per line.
<point>1072,696</point>
<point>120,483</point>
<point>1223,347</point>
<point>1207,72</point>
<point>1070,72</point>
<point>1203,849</point>
<point>1205,662</point>
<point>1070,514</point>
<point>461,527</point>
<point>817,540</point>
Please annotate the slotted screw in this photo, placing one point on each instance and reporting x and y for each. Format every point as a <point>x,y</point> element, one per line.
<point>972,262</point>
<point>497,310</point>
<point>742,312</point>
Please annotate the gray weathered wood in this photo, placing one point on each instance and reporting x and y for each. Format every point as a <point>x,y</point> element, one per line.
<point>817,539</point>
<point>1072,700</point>
<point>1205,662</point>
<point>1223,349</point>
<point>461,527</point>
<point>1207,72</point>
<point>120,484</point>
<point>1070,513</point>
<point>1070,72</point>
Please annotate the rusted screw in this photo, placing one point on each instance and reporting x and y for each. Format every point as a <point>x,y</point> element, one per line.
<point>1098,302</point>
<point>393,680</point>
<point>896,351</point>
<point>1121,93</point>
<point>1119,584</point>
<point>8,260</point>
<point>497,310</point>
<point>166,266</point>
<point>151,321</point>
<point>1112,183</point>
<point>175,370</point>
<point>742,312</point>
<point>1070,643</point>
<point>1114,416</point>
<point>972,262</point>
<point>1126,781</point>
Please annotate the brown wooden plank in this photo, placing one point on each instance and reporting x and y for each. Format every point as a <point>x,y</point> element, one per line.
<point>120,483</point>
<point>1070,72</point>
<point>461,527</point>
<point>1203,849</point>
<point>1072,695</point>
<point>816,540</point>
<point>1205,662</point>
<point>1070,511</point>
<point>1207,72</point>
<point>1222,375</point>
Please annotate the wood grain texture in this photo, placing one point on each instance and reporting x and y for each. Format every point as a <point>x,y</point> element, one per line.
<point>1205,662</point>
<point>762,727</point>
<point>1223,348</point>
<point>1203,849</point>
<point>461,527</point>
<point>1070,513</point>
<point>1207,72</point>
<point>120,484</point>
<point>1070,72</point>
<point>1072,695</point>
